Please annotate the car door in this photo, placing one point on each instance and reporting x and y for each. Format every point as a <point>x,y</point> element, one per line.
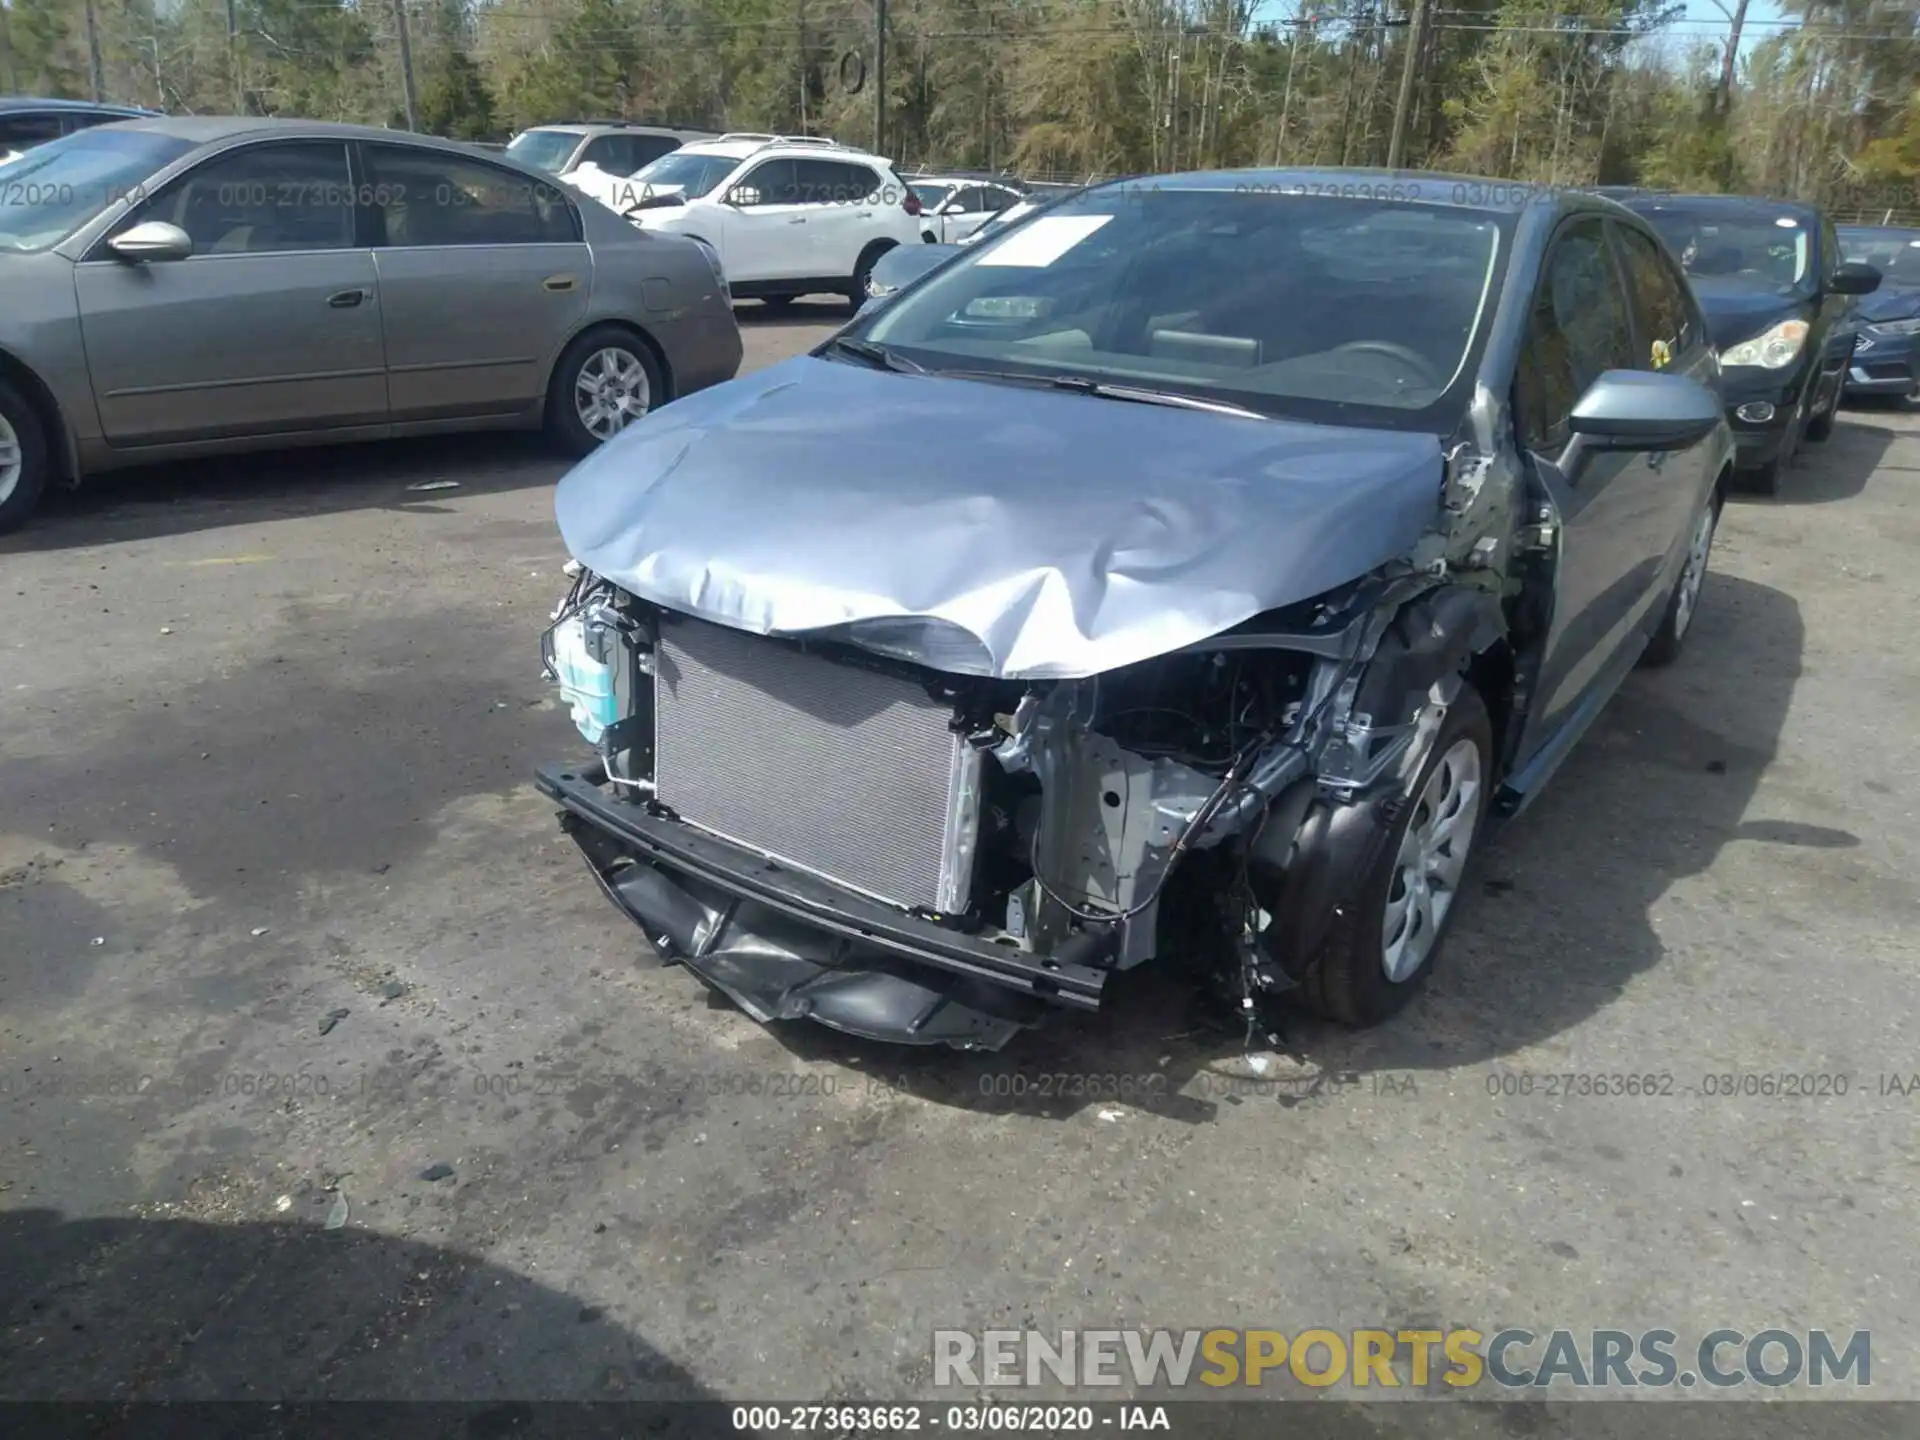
<point>1578,328</point>
<point>483,277</point>
<point>271,326</point>
<point>841,199</point>
<point>763,235</point>
<point>970,209</point>
<point>1670,337</point>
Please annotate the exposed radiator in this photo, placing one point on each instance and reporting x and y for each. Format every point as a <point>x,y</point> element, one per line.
<point>846,772</point>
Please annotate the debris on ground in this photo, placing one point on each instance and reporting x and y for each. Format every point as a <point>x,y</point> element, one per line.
<point>437,1172</point>
<point>283,1204</point>
<point>258,931</point>
<point>436,485</point>
<point>331,1019</point>
<point>392,990</point>
<point>337,1216</point>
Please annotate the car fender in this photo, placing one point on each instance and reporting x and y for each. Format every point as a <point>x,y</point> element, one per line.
<point>1418,664</point>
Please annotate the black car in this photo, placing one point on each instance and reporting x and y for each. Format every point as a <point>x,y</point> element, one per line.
<point>27,121</point>
<point>1886,350</point>
<point>1778,296</point>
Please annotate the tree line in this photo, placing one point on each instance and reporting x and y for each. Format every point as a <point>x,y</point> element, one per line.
<point>1823,105</point>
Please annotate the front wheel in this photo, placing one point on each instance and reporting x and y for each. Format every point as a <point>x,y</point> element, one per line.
<point>857,287</point>
<point>1664,647</point>
<point>1821,425</point>
<point>606,380</point>
<point>1383,946</point>
<point>24,460</point>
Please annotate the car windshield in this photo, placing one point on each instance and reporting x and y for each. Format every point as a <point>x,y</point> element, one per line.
<point>546,149</point>
<point>1760,247</point>
<point>932,196</point>
<point>53,189</point>
<point>1894,253</point>
<point>1331,309</point>
<point>694,174</point>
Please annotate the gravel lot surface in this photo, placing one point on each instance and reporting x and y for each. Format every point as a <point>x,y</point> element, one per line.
<point>284,927</point>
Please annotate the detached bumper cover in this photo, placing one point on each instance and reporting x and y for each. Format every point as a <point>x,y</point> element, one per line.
<point>784,945</point>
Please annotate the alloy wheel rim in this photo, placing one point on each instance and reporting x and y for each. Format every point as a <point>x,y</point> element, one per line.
<point>1695,573</point>
<point>1432,857</point>
<point>611,392</point>
<point>13,460</point>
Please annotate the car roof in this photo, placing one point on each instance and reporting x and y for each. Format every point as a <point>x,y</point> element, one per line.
<point>967,177</point>
<point>618,127</point>
<point>1732,207</point>
<point>741,149</point>
<point>1465,192</point>
<point>71,107</point>
<point>206,129</point>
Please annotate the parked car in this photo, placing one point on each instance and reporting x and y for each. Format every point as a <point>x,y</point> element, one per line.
<point>27,120</point>
<point>788,215</point>
<point>1886,349</point>
<point>1228,599</point>
<point>953,206</point>
<point>173,287</point>
<point>900,267</point>
<point>611,147</point>
<point>1779,299</point>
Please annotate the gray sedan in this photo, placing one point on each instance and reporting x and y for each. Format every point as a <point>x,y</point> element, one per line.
<point>185,286</point>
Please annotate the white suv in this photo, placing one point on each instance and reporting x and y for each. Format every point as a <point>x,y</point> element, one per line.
<point>788,215</point>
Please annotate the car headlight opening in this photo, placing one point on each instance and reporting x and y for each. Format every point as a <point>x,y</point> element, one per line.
<point>1773,349</point>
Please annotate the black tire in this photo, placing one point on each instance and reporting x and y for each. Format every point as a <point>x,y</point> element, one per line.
<point>856,291</point>
<point>1768,479</point>
<point>1676,620</point>
<point>1821,425</point>
<point>1347,980</point>
<point>564,424</point>
<point>36,464</point>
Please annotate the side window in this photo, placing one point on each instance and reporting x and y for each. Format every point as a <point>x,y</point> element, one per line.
<point>974,199</point>
<point>776,182</point>
<point>1666,323</point>
<point>17,132</point>
<point>832,182</point>
<point>609,153</point>
<point>1576,331</point>
<point>998,200</point>
<point>648,148</point>
<point>424,197</point>
<point>84,120</point>
<point>263,199</point>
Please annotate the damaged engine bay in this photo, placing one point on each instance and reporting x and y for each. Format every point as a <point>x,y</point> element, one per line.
<point>942,858</point>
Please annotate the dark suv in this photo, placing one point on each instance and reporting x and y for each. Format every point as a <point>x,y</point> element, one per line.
<point>1779,298</point>
<point>26,121</point>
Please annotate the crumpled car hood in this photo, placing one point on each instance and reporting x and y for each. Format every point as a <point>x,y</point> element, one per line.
<point>985,529</point>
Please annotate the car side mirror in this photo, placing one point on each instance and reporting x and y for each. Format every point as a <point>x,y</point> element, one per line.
<point>152,240</point>
<point>743,195</point>
<point>1638,411</point>
<point>1855,277</point>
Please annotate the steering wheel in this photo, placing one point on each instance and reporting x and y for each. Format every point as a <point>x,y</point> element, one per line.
<point>1413,360</point>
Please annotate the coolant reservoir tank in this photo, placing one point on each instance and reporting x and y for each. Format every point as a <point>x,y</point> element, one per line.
<point>586,684</point>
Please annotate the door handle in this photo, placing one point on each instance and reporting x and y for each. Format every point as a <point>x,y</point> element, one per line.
<point>346,299</point>
<point>558,282</point>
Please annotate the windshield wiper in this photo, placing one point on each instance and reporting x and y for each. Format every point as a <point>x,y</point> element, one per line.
<point>877,356</point>
<point>1106,390</point>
